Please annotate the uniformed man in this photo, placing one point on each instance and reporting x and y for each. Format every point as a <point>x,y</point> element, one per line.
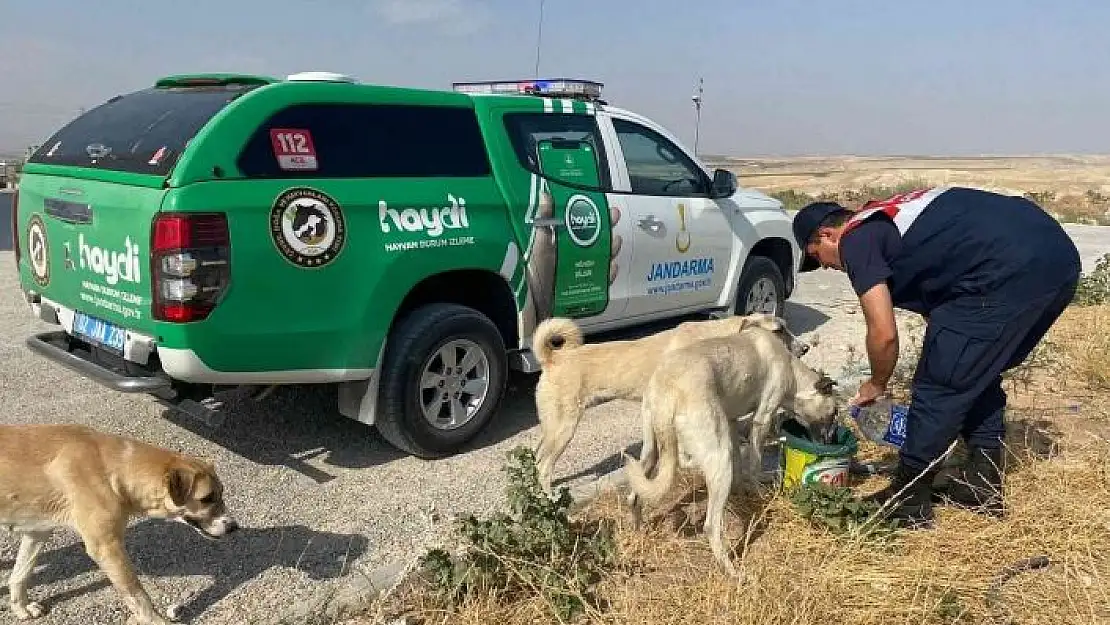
<point>990,274</point>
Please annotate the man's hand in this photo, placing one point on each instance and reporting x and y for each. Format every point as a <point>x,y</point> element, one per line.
<point>868,392</point>
<point>882,338</point>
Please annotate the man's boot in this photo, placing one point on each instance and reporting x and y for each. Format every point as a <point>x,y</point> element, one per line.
<point>913,507</point>
<point>979,485</point>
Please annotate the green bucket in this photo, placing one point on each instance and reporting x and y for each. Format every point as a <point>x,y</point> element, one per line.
<point>805,461</point>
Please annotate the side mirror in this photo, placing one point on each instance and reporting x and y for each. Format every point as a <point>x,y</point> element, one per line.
<point>724,183</point>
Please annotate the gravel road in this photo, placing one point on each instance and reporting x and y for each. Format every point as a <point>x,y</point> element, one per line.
<point>319,496</point>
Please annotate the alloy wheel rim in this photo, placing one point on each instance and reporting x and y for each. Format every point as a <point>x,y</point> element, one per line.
<point>454,383</point>
<point>762,298</point>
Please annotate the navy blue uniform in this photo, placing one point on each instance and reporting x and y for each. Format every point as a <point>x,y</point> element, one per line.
<point>992,273</point>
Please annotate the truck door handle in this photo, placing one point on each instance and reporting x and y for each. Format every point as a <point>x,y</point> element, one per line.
<point>548,222</point>
<point>651,224</point>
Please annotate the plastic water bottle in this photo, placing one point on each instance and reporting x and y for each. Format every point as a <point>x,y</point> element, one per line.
<point>772,461</point>
<point>882,421</point>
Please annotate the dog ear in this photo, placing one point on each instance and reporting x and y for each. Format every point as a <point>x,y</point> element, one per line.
<point>179,484</point>
<point>824,384</point>
<point>768,322</point>
<point>773,323</point>
<point>740,323</point>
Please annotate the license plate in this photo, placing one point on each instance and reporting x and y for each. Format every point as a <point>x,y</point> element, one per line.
<point>99,331</point>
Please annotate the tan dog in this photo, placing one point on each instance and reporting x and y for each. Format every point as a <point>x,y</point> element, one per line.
<point>54,476</point>
<point>576,376</point>
<point>690,407</point>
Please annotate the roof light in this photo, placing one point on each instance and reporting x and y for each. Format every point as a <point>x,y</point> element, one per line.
<point>552,88</point>
<point>319,77</point>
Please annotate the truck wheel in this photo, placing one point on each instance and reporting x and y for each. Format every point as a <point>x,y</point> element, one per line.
<point>443,377</point>
<point>762,288</point>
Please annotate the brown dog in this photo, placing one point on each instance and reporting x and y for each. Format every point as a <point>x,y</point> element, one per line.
<point>576,376</point>
<point>54,476</point>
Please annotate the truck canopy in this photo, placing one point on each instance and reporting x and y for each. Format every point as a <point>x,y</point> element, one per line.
<point>143,132</point>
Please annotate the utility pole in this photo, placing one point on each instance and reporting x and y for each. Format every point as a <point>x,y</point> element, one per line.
<point>697,114</point>
<point>539,37</point>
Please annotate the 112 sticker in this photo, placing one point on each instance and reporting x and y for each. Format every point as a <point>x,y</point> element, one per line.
<point>294,149</point>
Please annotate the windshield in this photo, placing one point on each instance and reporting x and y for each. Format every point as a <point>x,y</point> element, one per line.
<point>141,132</point>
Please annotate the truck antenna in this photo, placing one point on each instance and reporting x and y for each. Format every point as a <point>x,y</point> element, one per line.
<point>697,113</point>
<point>539,37</point>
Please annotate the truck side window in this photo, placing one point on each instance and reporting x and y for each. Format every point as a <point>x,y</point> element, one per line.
<point>655,165</point>
<point>374,141</point>
<point>526,130</point>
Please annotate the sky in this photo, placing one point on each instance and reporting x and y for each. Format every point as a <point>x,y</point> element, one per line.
<point>781,77</point>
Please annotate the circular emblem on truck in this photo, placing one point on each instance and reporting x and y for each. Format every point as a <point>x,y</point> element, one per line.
<point>307,227</point>
<point>583,220</point>
<point>37,251</point>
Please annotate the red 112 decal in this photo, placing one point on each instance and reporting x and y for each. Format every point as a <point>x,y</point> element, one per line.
<point>294,149</point>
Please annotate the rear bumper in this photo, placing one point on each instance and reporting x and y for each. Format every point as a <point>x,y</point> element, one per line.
<point>120,376</point>
<point>148,368</point>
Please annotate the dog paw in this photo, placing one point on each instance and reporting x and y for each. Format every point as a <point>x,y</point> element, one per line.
<point>28,611</point>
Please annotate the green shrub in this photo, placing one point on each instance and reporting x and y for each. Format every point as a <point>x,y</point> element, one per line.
<point>535,550</point>
<point>793,200</point>
<point>839,510</point>
<point>1094,287</point>
<point>1041,198</point>
<point>851,198</point>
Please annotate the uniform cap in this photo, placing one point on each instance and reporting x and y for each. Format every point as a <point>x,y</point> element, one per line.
<point>805,224</point>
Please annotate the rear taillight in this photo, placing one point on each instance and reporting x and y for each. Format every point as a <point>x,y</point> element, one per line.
<point>15,226</point>
<point>190,265</point>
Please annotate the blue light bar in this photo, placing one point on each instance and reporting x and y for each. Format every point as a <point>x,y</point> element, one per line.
<point>551,88</point>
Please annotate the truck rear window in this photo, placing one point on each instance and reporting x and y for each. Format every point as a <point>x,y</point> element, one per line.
<point>141,132</point>
<point>374,141</point>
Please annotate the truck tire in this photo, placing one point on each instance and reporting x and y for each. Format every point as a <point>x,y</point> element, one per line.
<point>436,421</point>
<point>762,288</point>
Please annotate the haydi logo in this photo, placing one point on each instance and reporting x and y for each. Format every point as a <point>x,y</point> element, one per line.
<point>431,221</point>
<point>583,219</point>
<point>114,266</point>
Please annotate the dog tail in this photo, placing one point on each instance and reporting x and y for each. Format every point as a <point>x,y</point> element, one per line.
<point>555,334</point>
<point>663,441</point>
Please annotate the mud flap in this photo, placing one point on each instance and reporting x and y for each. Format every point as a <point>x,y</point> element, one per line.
<point>358,399</point>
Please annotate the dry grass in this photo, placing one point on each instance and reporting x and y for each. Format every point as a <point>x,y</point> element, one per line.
<point>1075,189</point>
<point>1061,175</point>
<point>1089,207</point>
<point>1058,496</point>
<point>1084,332</point>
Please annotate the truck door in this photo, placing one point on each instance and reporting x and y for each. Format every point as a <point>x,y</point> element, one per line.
<point>683,242</point>
<point>579,218</point>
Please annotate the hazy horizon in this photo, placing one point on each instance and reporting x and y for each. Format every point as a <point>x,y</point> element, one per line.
<point>861,78</point>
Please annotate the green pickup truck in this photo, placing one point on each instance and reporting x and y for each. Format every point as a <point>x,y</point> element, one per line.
<point>219,230</point>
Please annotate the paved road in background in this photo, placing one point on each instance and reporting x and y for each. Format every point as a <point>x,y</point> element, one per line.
<point>318,495</point>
